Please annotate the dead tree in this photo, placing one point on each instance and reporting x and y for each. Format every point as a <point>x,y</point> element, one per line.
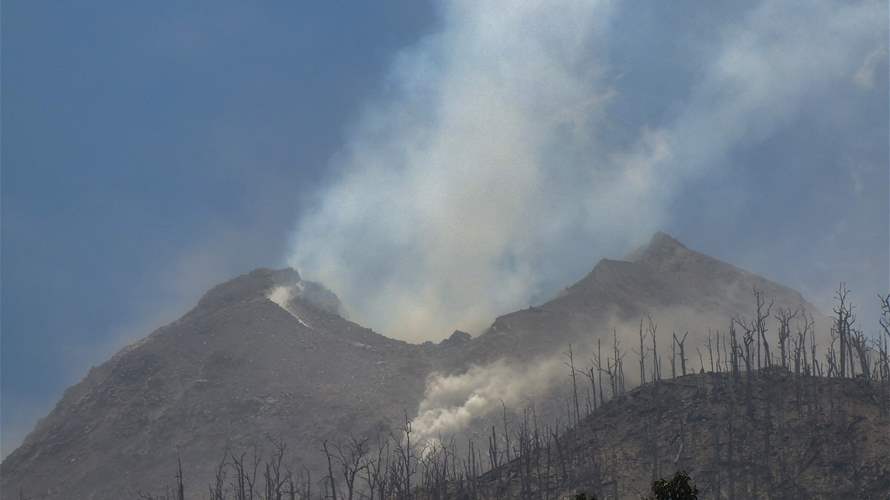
<point>884,321</point>
<point>859,345</point>
<point>375,467</point>
<point>471,471</point>
<point>816,368</point>
<point>711,352</point>
<point>599,364</point>
<point>274,474</point>
<point>761,314</point>
<point>244,483</point>
<point>681,343</point>
<point>844,320</point>
<point>674,355</point>
<point>749,331</point>
<point>350,457</point>
<point>642,354</point>
<point>656,365</point>
<point>217,488</point>
<point>884,347</point>
<point>619,362</point>
<point>561,457</point>
<point>805,324</point>
<point>493,455</point>
<point>701,361</point>
<point>180,488</point>
<point>831,357</point>
<point>608,370</point>
<point>405,461</point>
<point>747,339</point>
<point>330,458</point>
<point>734,351</point>
<point>506,423</point>
<point>798,346</point>
<point>784,317</point>
<point>590,373</point>
<point>571,365</point>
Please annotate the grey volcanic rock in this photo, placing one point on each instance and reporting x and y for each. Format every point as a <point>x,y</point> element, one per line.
<point>234,370</point>
<point>680,288</point>
<point>457,339</point>
<point>319,296</point>
<point>269,354</point>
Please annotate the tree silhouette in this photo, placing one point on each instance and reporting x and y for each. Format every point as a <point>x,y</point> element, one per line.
<point>680,487</point>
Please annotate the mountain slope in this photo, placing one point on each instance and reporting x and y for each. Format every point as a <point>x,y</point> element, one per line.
<point>800,438</point>
<point>235,369</point>
<point>267,355</point>
<point>683,290</point>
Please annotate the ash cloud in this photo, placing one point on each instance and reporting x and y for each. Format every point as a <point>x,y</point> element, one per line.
<point>481,179</point>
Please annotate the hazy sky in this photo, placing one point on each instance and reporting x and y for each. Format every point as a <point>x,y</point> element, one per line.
<point>434,164</point>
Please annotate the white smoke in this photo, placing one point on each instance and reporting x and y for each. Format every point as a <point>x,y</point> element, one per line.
<point>481,179</point>
<point>281,295</point>
<point>451,402</point>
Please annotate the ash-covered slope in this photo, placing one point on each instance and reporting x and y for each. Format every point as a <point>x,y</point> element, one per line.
<point>267,354</point>
<point>799,438</point>
<point>680,288</point>
<point>235,369</point>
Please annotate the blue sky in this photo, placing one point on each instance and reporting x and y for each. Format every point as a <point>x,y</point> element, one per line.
<point>151,150</point>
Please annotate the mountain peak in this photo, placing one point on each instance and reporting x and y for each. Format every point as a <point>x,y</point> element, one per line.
<point>457,338</point>
<point>663,239</point>
<point>661,248</point>
<point>247,286</point>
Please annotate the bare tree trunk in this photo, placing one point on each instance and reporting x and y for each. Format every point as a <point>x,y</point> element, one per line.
<point>493,449</point>
<point>761,314</point>
<point>642,356</point>
<point>656,369</point>
<point>619,363</point>
<point>674,355</point>
<point>884,322</point>
<point>681,343</point>
<point>784,317</point>
<point>734,354</point>
<point>333,484</point>
<point>180,488</point>
<point>571,365</point>
<point>711,352</point>
<point>843,320</point>
<point>599,364</point>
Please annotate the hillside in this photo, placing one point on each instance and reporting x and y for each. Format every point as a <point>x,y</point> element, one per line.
<point>683,290</point>
<point>268,355</point>
<point>801,438</point>
<point>232,371</point>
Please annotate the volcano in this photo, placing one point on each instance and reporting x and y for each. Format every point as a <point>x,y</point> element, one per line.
<point>269,355</point>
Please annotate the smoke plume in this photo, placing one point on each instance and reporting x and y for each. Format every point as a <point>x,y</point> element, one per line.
<point>451,402</point>
<point>481,179</point>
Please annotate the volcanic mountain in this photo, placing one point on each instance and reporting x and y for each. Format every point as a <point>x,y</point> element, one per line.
<point>235,369</point>
<point>269,355</point>
<point>681,289</point>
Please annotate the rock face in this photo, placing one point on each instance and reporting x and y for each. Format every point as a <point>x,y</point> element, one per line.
<point>267,354</point>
